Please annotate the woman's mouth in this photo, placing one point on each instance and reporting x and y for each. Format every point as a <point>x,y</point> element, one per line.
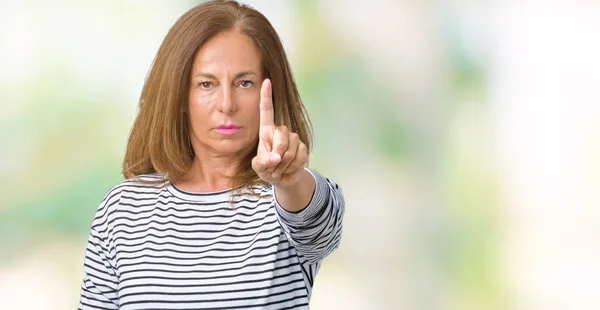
<point>227,129</point>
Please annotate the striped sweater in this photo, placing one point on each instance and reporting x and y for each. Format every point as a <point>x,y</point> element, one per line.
<point>159,247</point>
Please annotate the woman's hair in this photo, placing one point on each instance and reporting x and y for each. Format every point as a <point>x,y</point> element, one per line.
<point>159,141</point>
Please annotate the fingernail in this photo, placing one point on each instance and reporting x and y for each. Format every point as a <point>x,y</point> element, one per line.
<point>274,157</point>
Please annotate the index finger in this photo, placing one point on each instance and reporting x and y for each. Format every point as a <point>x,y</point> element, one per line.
<point>267,115</point>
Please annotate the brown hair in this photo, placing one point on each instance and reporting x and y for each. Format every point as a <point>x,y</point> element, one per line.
<point>160,140</point>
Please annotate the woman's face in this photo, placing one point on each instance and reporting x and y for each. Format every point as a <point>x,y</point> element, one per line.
<point>224,95</point>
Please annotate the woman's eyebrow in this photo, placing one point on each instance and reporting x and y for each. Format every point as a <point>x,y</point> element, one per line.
<point>206,75</point>
<point>237,76</point>
<point>244,73</point>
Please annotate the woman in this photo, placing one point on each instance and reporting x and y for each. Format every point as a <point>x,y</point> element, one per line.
<point>218,209</point>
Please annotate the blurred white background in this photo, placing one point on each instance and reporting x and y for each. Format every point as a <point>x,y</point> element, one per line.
<point>465,135</point>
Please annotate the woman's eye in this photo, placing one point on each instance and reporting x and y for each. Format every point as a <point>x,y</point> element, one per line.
<point>246,84</point>
<point>205,85</point>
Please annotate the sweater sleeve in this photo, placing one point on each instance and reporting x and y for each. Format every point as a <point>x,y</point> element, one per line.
<point>316,230</point>
<point>100,282</point>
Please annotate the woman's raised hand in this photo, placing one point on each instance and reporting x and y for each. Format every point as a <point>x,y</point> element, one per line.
<point>281,156</point>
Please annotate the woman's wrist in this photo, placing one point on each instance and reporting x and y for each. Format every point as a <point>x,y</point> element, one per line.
<point>295,197</point>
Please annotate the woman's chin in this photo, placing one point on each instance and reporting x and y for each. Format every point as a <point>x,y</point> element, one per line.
<point>230,147</point>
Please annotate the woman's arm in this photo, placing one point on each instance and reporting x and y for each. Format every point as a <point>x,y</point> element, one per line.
<point>296,197</point>
<point>309,206</point>
<point>314,228</point>
<point>100,282</point>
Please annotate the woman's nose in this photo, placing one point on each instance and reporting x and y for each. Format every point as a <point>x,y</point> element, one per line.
<point>227,104</point>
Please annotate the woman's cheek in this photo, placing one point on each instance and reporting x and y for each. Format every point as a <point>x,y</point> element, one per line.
<point>204,99</point>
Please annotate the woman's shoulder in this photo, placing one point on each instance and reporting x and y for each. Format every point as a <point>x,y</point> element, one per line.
<point>143,181</point>
<point>140,184</point>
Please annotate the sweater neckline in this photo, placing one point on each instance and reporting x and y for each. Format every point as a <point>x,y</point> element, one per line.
<point>221,195</point>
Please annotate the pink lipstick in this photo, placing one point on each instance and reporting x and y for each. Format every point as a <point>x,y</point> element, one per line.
<point>228,129</point>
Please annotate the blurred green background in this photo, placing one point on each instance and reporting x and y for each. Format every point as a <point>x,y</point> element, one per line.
<point>465,135</point>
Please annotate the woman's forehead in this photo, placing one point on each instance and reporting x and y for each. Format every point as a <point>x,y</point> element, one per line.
<point>228,50</point>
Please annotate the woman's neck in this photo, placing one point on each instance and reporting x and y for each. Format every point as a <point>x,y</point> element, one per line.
<point>210,173</point>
